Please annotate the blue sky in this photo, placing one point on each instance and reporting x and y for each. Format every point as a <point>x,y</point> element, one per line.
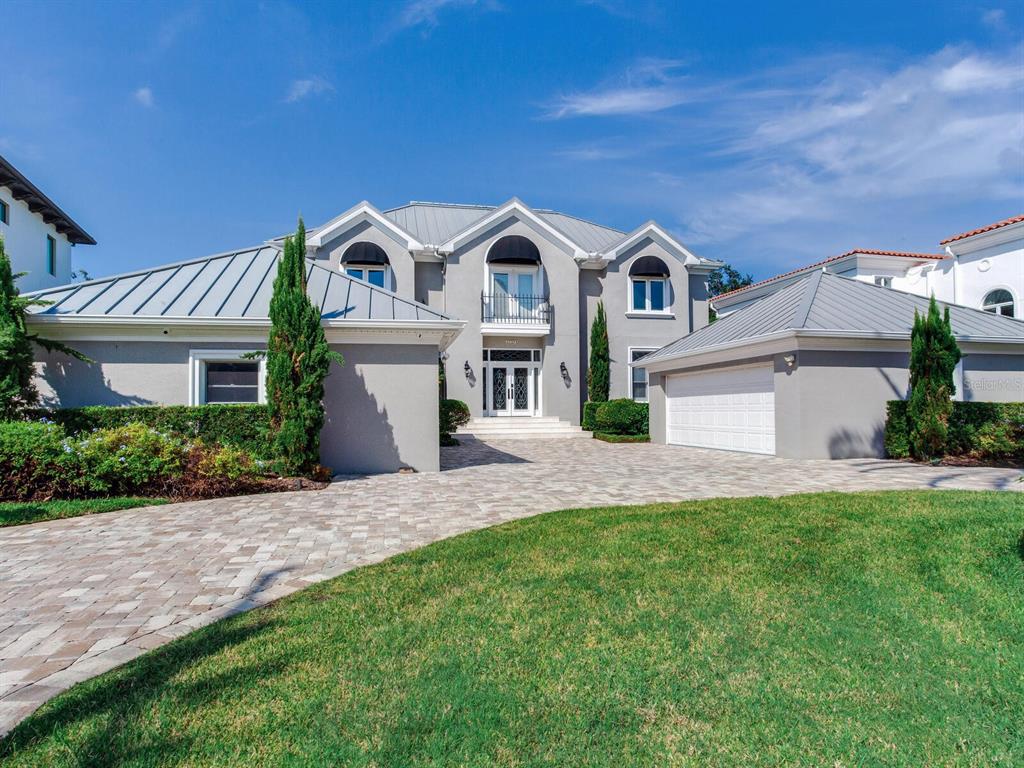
<point>765,134</point>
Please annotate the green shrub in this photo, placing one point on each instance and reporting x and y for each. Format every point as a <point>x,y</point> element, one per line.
<point>622,417</point>
<point>897,430</point>
<point>126,458</point>
<point>988,431</point>
<point>454,414</point>
<point>229,463</point>
<point>241,426</point>
<point>36,455</point>
<point>589,413</point>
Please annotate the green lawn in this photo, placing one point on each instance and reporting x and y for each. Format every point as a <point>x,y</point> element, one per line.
<point>22,512</point>
<point>836,630</point>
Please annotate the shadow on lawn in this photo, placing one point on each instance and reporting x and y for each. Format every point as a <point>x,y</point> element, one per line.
<point>128,691</point>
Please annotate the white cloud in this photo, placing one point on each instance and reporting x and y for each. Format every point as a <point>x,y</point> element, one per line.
<point>651,85</point>
<point>424,13</point>
<point>144,96</point>
<point>304,88</point>
<point>795,156</point>
<point>994,19</point>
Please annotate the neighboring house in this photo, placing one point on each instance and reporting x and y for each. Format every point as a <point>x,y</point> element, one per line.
<point>527,283</point>
<point>806,372</point>
<point>396,288</point>
<point>37,234</point>
<point>175,335</point>
<point>983,268</point>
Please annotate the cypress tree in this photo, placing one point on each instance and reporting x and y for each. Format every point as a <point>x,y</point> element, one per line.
<point>298,361</point>
<point>17,391</point>
<point>933,358</point>
<point>598,372</point>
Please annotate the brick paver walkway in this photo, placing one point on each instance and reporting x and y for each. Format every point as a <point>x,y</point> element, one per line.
<point>80,596</point>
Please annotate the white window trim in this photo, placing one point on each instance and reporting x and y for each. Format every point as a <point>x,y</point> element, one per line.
<point>514,269</point>
<point>197,359</point>
<point>647,311</point>
<point>883,281</point>
<point>1013,297</point>
<point>386,268</point>
<point>629,378</point>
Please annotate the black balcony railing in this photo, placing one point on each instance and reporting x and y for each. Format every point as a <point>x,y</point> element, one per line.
<point>507,308</point>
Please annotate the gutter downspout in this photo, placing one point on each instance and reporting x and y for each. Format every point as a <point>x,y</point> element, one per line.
<point>956,269</point>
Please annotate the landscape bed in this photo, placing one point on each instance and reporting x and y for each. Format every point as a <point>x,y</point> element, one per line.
<point>827,629</point>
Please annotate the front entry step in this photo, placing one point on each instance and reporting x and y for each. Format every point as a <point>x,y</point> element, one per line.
<point>520,428</point>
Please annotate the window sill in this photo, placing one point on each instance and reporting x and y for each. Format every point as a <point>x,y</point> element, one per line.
<point>661,315</point>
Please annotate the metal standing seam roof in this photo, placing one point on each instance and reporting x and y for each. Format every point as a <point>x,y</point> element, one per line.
<point>822,301</point>
<point>437,222</point>
<point>231,285</point>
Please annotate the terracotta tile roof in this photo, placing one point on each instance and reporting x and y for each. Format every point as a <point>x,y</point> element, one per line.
<point>989,228</point>
<point>829,260</point>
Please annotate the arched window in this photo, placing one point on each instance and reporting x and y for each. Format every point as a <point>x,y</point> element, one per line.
<point>515,291</point>
<point>649,288</point>
<point>999,302</point>
<point>366,261</point>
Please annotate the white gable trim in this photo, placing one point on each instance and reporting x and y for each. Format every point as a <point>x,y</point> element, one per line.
<point>513,207</point>
<point>661,237</point>
<point>356,215</point>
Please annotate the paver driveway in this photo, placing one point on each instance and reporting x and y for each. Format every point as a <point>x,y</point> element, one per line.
<point>80,596</point>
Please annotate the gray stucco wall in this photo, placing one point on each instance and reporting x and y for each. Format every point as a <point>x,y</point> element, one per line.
<point>381,409</point>
<point>831,405</point>
<point>656,404</point>
<point>465,279</point>
<point>381,406</point>
<point>612,286</point>
<point>993,378</point>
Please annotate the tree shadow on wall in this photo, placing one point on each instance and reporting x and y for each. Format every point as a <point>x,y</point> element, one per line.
<point>75,383</point>
<point>357,438</point>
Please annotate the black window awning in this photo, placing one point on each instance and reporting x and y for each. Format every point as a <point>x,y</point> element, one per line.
<point>648,266</point>
<point>364,253</point>
<point>514,249</point>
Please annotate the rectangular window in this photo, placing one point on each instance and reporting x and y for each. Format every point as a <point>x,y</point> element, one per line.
<point>638,376</point>
<point>5,213</point>
<point>885,282</point>
<point>650,295</point>
<point>51,255</point>
<point>370,275</point>
<point>232,382</point>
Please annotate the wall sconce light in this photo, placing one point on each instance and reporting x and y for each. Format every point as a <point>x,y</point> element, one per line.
<point>467,369</point>
<point>789,359</point>
<point>444,356</point>
<point>564,370</point>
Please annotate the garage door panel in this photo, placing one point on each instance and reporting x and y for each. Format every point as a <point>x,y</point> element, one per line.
<point>732,409</point>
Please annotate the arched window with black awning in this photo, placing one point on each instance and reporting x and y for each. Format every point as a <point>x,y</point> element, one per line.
<point>513,249</point>
<point>366,261</point>
<point>649,286</point>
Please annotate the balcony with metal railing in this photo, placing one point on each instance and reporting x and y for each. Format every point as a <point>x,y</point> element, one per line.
<point>520,315</point>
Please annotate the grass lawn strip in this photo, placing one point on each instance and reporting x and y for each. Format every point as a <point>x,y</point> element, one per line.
<point>24,512</point>
<point>825,629</point>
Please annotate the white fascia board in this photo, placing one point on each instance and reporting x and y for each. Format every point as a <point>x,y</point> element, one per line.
<point>106,328</point>
<point>664,239</point>
<point>364,211</point>
<point>513,329</point>
<point>781,341</point>
<point>511,208</point>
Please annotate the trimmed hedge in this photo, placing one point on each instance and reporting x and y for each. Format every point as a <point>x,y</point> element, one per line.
<point>606,438</point>
<point>240,426</point>
<point>622,417</point>
<point>982,430</point>
<point>589,412</point>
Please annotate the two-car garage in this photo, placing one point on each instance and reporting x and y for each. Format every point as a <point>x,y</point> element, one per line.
<point>728,408</point>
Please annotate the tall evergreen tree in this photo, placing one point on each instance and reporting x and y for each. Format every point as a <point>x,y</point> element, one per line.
<point>298,361</point>
<point>933,358</point>
<point>598,372</point>
<point>17,392</point>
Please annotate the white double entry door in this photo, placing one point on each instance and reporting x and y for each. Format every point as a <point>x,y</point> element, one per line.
<point>512,386</point>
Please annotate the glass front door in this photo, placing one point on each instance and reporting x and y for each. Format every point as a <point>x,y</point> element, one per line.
<point>511,394</point>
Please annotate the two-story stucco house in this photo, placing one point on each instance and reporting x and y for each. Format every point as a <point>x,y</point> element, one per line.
<point>503,296</point>
<point>38,236</point>
<point>527,283</point>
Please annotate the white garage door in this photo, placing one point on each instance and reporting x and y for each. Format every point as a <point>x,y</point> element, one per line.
<point>731,408</point>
